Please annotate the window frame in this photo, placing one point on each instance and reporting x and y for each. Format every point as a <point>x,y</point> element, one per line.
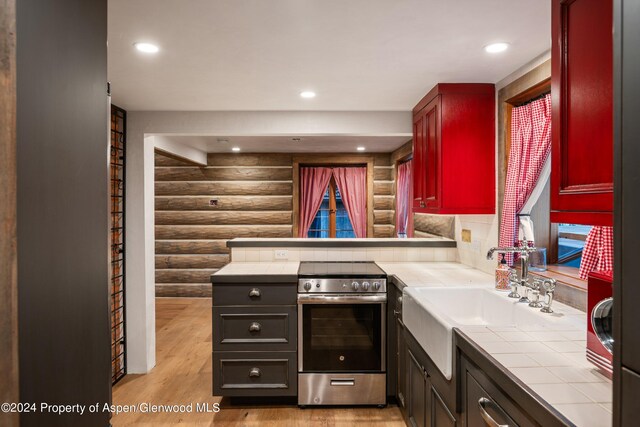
<point>333,160</point>
<point>332,231</point>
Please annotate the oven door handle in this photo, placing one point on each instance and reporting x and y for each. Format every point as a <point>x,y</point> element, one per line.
<point>340,299</point>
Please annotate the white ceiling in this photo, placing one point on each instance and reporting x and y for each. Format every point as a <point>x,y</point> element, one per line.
<point>358,55</point>
<point>285,144</point>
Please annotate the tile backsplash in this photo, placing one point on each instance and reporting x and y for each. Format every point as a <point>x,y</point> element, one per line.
<point>344,254</point>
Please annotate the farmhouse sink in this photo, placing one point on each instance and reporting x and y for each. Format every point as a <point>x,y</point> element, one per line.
<point>430,314</point>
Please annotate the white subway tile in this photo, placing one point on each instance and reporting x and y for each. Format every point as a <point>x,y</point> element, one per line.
<point>399,254</point>
<point>440,254</point>
<point>252,255</point>
<point>386,255</point>
<point>307,255</point>
<point>360,254</point>
<point>373,254</point>
<point>427,254</point>
<point>413,254</point>
<point>266,255</point>
<point>320,255</point>
<point>238,255</point>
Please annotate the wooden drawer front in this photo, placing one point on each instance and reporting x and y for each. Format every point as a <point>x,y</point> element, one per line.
<point>474,416</point>
<point>254,328</point>
<point>254,374</point>
<point>254,294</point>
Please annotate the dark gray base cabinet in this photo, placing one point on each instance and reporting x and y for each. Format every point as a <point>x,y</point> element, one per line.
<point>413,380</point>
<point>425,406</point>
<point>489,395</point>
<point>254,339</point>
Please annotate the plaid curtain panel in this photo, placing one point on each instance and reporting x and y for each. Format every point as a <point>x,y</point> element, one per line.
<point>530,147</point>
<point>597,253</point>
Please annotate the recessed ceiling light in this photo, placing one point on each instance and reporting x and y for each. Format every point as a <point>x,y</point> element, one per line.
<point>146,47</point>
<point>236,149</point>
<point>308,94</point>
<point>496,47</point>
<point>361,148</point>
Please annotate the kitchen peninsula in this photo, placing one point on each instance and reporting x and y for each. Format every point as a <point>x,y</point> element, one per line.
<point>527,373</point>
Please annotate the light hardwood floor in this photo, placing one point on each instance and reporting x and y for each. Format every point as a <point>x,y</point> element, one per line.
<point>183,375</point>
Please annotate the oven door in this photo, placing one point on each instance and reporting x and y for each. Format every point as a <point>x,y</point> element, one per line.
<point>341,333</point>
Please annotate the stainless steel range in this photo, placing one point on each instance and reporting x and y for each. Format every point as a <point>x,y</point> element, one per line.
<point>341,333</point>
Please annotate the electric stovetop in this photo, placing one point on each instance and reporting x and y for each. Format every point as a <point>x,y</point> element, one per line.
<point>361,269</point>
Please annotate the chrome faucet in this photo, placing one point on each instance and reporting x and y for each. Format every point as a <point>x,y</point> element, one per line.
<point>548,285</point>
<point>524,252</point>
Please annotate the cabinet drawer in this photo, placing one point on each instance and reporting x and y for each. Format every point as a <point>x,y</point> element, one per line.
<point>254,374</point>
<point>254,294</point>
<point>480,405</point>
<point>270,328</point>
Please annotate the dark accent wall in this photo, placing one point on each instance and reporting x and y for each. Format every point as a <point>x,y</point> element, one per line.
<point>62,127</point>
<point>254,194</point>
<point>8,260</point>
<point>626,289</point>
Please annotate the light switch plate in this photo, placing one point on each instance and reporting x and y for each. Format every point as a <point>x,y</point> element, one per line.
<point>466,235</point>
<point>282,254</point>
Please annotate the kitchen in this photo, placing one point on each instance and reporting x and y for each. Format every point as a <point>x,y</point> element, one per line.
<point>325,213</point>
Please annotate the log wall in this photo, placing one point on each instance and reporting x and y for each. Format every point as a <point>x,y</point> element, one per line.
<point>197,209</point>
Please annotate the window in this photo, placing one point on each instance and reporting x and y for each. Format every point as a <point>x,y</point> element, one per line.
<point>332,219</point>
<point>571,239</point>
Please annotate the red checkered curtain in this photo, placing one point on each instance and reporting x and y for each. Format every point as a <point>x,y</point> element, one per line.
<point>530,148</point>
<point>597,254</point>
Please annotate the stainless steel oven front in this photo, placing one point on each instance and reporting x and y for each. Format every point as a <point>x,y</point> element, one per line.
<point>341,349</point>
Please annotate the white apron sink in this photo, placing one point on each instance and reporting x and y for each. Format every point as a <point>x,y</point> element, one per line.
<point>430,314</point>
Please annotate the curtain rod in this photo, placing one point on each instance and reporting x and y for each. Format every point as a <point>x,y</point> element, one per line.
<point>529,101</point>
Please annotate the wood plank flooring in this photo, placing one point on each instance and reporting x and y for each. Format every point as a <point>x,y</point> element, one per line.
<point>183,375</point>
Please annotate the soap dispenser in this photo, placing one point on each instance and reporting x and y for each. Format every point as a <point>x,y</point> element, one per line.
<point>502,275</point>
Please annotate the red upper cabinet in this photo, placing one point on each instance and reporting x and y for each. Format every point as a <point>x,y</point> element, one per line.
<point>454,150</point>
<point>582,116</point>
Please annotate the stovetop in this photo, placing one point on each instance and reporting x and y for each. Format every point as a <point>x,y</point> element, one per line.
<point>339,270</point>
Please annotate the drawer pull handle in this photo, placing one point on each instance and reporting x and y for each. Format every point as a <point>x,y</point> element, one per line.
<point>343,381</point>
<point>254,293</point>
<point>255,373</point>
<point>483,402</point>
<point>255,327</point>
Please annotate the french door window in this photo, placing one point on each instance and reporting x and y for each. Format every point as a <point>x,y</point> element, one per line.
<point>332,219</point>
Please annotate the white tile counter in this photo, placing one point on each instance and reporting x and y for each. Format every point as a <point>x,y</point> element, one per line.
<point>436,274</point>
<point>550,360</point>
<point>258,268</point>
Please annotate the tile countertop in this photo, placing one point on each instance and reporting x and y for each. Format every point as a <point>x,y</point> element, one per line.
<point>549,360</point>
<point>436,274</point>
<point>258,268</point>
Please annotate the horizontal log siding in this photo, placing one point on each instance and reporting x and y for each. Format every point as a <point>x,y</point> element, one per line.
<point>383,190</point>
<point>199,208</point>
<point>236,195</point>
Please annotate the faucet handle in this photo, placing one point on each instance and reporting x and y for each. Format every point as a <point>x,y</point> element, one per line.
<point>549,285</point>
<point>513,275</point>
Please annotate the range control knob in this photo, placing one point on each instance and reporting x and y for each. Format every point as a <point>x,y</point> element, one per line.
<point>307,286</point>
<point>355,286</point>
<point>365,286</point>
<point>376,286</point>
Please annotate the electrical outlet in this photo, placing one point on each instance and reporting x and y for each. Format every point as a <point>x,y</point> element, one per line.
<point>282,254</point>
<point>466,235</point>
<point>475,245</point>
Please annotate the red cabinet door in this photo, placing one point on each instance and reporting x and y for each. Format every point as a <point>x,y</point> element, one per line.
<point>582,100</point>
<point>418,161</point>
<point>432,154</point>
